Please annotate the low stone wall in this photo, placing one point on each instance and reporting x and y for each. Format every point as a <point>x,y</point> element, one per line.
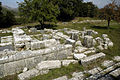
<point>15,63</point>
<point>91,59</point>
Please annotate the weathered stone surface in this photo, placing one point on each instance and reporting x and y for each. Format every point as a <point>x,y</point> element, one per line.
<point>67,62</point>
<point>110,44</point>
<point>99,40</point>
<point>100,47</point>
<point>79,56</point>
<point>28,74</point>
<point>43,72</point>
<point>1,70</point>
<point>89,32</point>
<point>88,41</point>
<point>107,63</point>
<point>13,67</point>
<point>70,41</point>
<point>117,58</point>
<point>25,69</point>
<point>104,35</point>
<point>92,58</point>
<point>74,36</point>
<point>30,63</point>
<point>37,45</point>
<point>77,76</point>
<point>33,30</point>
<point>81,49</point>
<point>6,39</point>
<point>115,73</point>
<point>61,78</point>
<point>78,43</point>
<point>94,70</point>
<point>60,34</point>
<point>5,44</point>
<point>49,65</point>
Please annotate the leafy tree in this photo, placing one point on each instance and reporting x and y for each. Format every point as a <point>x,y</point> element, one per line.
<point>110,12</point>
<point>39,10</point>
<point>7,18</point>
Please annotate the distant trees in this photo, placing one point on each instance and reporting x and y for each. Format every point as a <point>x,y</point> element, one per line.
<point>7,18</point>
<point>50,10</point>
<point>110,12</point>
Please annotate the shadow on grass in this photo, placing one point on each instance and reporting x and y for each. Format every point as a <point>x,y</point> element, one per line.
<point>100,27</point>
<point>47,26</point>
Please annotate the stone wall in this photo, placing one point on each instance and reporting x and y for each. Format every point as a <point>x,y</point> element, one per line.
<point>15,63</point>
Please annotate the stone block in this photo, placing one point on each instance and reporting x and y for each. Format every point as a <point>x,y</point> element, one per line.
<point>79,56</point>
<point>49,65</point>
<point>77,76</point>
<point>70,41</point>
<point>88,41</point>
<point>30,63</point>
<point>115,73</point>
<point>67,62</point>
<point>33,30</point>
<point>28,74</point>
<point>107,63</point>
<point>94,70</point>
<point>117,58</point>
<point>13,67</point>
<point>1,70</point>
<point>91,59</point>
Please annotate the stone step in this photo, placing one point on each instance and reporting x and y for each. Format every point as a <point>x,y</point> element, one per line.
<point>91,59</point>
<point>104,72</point>
<point>115,73</point>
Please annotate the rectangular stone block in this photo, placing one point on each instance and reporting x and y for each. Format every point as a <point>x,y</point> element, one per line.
<point>91,59</point>
<point>28,74</point>
<point>14,67</point>
<point>45,65</point>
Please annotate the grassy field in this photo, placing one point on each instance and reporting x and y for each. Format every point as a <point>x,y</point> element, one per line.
<point>101,27</point>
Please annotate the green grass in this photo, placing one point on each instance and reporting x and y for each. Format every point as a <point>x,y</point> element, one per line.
<point>101,28</point>
<point>55,73</point>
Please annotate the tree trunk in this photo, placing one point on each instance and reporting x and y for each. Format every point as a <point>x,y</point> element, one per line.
<point>41,24</point>
<point>108,23</point>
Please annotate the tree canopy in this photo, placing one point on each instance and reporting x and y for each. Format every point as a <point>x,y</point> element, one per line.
<point>52,10</point>
<point>39,10</point>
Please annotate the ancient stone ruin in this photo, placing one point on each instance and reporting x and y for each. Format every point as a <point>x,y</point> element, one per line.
<point>35,52</point>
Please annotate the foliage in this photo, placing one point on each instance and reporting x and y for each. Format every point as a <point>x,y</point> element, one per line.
<point>7,18</point>
<point>110,12</point>
<point>50,10</point>
<point>38,10</point>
